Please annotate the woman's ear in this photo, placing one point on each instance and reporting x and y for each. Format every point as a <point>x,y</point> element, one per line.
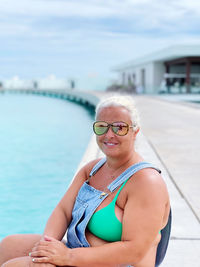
<point>136,132</point>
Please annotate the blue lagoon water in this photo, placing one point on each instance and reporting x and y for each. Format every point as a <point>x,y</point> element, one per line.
<point>42,141</point>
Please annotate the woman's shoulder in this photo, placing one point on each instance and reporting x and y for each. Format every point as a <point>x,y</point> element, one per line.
<point>148,180</point>
<point>149,175</point>
<point>82,174</point>
<point>87,168</point>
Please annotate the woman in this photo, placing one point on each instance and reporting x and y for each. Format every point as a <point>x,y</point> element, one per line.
<point>113,210</point>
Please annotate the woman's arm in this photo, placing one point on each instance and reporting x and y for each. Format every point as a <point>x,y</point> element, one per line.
<point>61,216</point>
<point>145,214</point>
<point>146,199</point>
<point>57,224</point>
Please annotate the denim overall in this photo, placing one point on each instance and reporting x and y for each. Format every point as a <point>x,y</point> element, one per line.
<point>89,198</point>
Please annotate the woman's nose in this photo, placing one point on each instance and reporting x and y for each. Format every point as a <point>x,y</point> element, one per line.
<point>110,132</point>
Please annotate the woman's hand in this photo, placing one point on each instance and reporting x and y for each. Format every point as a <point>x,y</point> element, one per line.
<point>50,250</point>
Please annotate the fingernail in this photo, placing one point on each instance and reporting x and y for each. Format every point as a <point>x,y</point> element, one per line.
<point>33,260</point>
<point>29,254</point>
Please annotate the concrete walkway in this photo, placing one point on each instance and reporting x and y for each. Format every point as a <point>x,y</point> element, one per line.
<point>170,139</point>
<point>172,130</point>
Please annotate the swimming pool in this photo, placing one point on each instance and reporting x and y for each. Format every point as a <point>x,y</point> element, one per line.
<point>42,141</point>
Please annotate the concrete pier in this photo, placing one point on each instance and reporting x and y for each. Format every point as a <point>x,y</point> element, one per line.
<point>81,97</point>
<point>170,140</point>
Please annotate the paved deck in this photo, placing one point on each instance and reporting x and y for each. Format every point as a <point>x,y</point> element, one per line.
<point>170,139</point>
<point>172,130</point>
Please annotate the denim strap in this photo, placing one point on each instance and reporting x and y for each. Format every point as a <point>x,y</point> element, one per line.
<point>125,175</point>
<point>128,173</point>
<point>97,166</point>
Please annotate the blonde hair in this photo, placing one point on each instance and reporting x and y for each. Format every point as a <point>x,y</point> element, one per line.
<point>121,101</point>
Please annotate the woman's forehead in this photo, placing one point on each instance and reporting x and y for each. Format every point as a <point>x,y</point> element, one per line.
<point>114,114</point>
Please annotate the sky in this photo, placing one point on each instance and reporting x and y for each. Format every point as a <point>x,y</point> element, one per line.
<point>84,40</point>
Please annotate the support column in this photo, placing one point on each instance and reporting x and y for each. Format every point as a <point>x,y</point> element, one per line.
<point>188,69</point>
<point>167,79</point>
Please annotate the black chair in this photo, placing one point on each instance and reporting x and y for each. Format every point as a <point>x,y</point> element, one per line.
<point>163,244</point>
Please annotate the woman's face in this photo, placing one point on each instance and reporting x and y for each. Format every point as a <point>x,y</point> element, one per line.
<point>111,144</point>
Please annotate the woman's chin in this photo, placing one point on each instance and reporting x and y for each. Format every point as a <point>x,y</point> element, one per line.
<point>111,153</point>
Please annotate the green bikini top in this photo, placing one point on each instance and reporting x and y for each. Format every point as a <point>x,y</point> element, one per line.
<point>104,223</point>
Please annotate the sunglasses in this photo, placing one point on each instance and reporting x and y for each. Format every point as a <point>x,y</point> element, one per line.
<point>119,127</point>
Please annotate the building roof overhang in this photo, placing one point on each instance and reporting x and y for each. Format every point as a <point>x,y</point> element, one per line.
<point>182,60</point>
<point>169,54</point>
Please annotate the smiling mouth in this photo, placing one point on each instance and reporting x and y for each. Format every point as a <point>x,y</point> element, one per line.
<point>110,144</point>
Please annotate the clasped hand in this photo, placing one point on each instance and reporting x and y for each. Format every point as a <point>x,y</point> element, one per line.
<point>50,250</point>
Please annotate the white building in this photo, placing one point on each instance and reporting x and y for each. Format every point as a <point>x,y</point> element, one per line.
<point>174,69</point>
<point>49,82</point>
<point>16,82</point>
<point>52,82</point>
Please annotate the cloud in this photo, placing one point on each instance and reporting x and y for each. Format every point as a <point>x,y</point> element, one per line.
<point>39,37</point>
<point>50,18</point>
<point>55,8</point>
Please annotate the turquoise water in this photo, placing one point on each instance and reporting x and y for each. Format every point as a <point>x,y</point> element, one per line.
<point>42,141</point>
